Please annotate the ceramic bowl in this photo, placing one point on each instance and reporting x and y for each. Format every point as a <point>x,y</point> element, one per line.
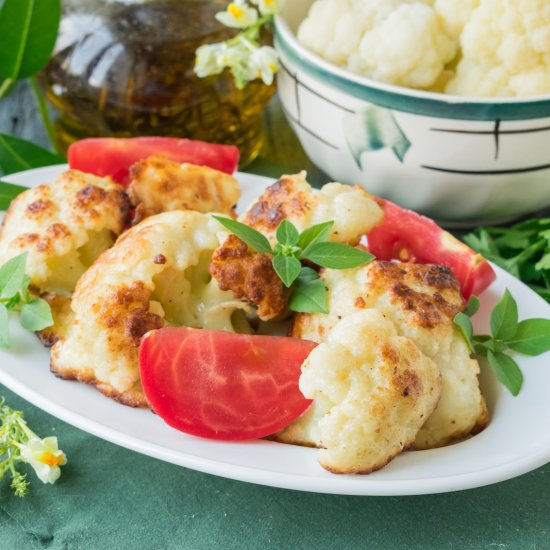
<point>461,160</point>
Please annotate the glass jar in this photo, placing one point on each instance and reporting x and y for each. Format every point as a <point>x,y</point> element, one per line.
<point>125,68</point>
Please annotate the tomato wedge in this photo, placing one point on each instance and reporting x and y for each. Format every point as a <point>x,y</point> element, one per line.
<point>407,236</point>
<point>223,385</point>
<point>114,156</point>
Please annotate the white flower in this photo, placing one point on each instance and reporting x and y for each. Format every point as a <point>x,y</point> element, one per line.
<point>45,457</point>
<point>264,62</point>
<point>238,15</point>
<point>267,7</point>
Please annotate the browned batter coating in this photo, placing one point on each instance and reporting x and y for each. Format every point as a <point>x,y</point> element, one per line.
<point>249,275</point>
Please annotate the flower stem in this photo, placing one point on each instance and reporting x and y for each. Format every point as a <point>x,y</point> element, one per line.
<point>44,113</point>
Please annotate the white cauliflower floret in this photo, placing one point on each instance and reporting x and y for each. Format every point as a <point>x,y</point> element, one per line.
<point>378,390</point>
<point>155,275</point>
<point>455,14</point>
<point>505,50</point>
<point>398,41</point>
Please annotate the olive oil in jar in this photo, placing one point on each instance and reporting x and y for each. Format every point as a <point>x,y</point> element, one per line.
<point>125,68</point>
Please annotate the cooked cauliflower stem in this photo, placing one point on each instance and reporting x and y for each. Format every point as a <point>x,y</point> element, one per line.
<point>155,275</point>
<point>376,388</point>
<point>502,48</point>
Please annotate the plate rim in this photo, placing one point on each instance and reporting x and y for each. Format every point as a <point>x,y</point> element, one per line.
<point>344,485</point>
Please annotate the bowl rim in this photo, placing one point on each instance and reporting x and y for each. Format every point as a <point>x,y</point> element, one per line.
<point>399,98</point>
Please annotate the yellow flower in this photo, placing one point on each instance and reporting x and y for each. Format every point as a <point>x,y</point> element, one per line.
<point>45,457</point>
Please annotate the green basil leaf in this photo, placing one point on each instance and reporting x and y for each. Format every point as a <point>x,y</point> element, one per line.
<point>532,337</point>
<point>309,296</point>
<point>28,31</point>
<point>254,239</point>
<point>315,234</point>
<point>4,327</point>
<point>36,315</point>
<point>287,268</point>
<point>8,192</point>
<point>462,321</point>
<point>12,276</point>
<point>287,233</point>
<point>336,255</point>
<point>504,317</point>
<point>506,370</point>
<point>17,155</point>
<point>472,307</point>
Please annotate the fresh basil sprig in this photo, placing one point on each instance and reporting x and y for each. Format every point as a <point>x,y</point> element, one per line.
<point>34,313</point>
<point>529,337</point>
<point>309,294</point>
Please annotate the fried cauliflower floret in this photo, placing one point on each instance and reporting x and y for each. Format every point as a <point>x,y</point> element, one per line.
<point>397,41</point>
<point>377,389</point>
<point>505,50</point>
<point>156,275</point>
<point>422,301</point>
<point>161,185</point>
<point>249,274</point>
<point>64,226</point>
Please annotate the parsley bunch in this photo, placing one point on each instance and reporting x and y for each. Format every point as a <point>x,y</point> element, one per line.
<point>34,313</point>
<point>309,294</point>
<point>529,337</point>
<point>522,249</point>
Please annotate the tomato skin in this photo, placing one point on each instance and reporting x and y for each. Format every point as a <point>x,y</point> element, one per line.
<point>114,156</point>
<point>222,385</point>
<point>408,236</point>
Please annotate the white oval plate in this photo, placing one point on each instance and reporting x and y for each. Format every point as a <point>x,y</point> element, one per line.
<point>516,441</point>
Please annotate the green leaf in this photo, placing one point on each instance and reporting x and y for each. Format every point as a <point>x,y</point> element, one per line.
<point>254,239</point>
<point>36,315</point>
<point>287,233</point>
<point>28,31</point>
<point>462,321</point>
<point>336,255</point>
<point>309,296</point>
<point>506,370</point>
<point>17,155</point>
<point>315,234</point>
<point>532,337</point>
<point>472,307</point>
<point>287,268</point>
<point>4,327</point>
<point>12,276</point>
<point>504,317</point>
<point>8,192</point>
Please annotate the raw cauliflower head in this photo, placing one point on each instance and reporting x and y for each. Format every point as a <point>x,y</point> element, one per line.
<point>250,275</point>
<point>402,42</point>
<point>64,226</point>
<point>421,301</point>
<point>156,275</point>
<point>376,389</point>
<point>505,50</point>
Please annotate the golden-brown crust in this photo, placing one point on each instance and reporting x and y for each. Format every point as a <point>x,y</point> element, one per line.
<point>160,185</point>
<point>249,275</point>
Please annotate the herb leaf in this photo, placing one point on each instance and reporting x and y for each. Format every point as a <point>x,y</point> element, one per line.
<point>506,370</point>
<point>287,233</point>
<point>17,155</point>
<point>504,317</point>
<point>12,276</point>
<point>4,327</point>
<point>36,315</point>
<point>287,268</point>
<point>315,234</point>
<point>254,239</point>
<point>336,255</point>
<point>309,296</point>
<point>532,337</point>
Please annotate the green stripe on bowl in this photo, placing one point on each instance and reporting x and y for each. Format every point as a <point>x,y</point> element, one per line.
<point>420,103</point>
